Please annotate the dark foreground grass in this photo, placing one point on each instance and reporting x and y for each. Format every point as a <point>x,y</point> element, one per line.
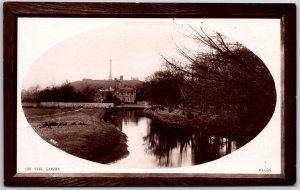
<point>80,132</point>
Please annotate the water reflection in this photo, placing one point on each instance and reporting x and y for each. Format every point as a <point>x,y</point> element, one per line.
<point>153,145</point>
<point>129,116</point>
<point>172,146</point>
<point>128,119</point>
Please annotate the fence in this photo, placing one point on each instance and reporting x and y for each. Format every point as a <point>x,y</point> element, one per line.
<point>66,105</point>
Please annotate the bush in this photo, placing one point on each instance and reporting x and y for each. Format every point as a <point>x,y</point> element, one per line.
<point>190,115</point>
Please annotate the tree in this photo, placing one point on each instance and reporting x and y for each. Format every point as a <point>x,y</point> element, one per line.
<point>31,95</point>
<point>164,88</point>
<point>88,94</point>
<point>63,93</point>
<point>141,92</point>
<point>109,97</point>
<point>66,93</point>
<point>226,75</point>
<point>112,98</point>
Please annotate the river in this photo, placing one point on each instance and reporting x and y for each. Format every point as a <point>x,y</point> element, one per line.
<point>152,145</point>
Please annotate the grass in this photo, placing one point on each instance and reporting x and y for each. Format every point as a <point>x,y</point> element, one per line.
<point>80,132</point>
<point>35,112</point>
<point>213,124</point>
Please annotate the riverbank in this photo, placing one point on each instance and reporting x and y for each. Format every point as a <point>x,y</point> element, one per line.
<point>178,119</point>
<point>80,132</point>
<point>222,126</point>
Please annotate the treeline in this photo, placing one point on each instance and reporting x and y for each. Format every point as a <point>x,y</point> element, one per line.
<point>164,90</point>
<point>63,93</point>
<point>67,93</point>
<point>222,78</point>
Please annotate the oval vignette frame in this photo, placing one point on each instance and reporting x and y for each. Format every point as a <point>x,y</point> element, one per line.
<point>285,12</point>
<point>37,69</point>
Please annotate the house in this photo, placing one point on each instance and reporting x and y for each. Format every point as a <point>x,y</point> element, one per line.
<point>101,94</point>
<point>127,94</point>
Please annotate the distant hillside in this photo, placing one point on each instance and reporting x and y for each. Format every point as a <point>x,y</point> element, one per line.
<point>80,85</point>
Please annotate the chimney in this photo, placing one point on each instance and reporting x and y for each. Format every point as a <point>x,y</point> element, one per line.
<point>121,77</point>
<point>110,70</point>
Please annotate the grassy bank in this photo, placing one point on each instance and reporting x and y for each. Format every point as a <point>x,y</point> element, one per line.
<point>223,126</point>
<point>80,132</point>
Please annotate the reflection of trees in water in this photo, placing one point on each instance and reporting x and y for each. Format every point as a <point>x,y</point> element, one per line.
<point>127,117</point>
<point>207,148</point>
<point>130,117</point>
<point>163,141</point>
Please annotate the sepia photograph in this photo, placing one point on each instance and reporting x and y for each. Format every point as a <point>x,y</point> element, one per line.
<point>133,97</point>
<point>149,93</point>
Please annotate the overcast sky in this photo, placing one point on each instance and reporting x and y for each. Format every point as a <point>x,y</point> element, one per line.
<point>53,51</point>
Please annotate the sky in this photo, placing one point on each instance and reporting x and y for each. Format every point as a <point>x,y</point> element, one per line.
<point>136,50</point>
<point>51,51</point>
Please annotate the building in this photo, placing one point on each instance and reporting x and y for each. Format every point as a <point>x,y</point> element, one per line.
<point>101,94</point>
<point>126,94</point>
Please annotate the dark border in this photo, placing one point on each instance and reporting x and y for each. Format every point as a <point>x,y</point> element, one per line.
<point>13,10</point>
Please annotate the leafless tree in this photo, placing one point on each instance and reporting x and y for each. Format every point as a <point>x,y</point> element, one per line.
<point>225,74</point>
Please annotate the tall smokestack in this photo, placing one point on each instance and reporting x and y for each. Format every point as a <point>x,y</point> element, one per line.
<point>110,72</point>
